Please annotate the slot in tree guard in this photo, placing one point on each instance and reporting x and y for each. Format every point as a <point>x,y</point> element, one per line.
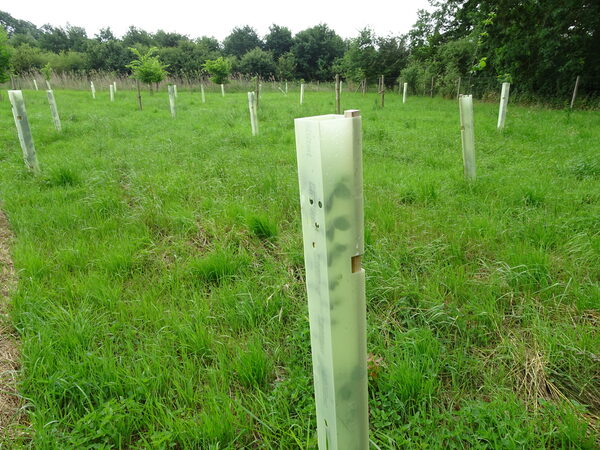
<point>329,151</point>
<point>23,130</point>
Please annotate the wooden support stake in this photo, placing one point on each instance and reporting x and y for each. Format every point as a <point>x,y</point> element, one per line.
<point>48,85</point>
<point>35,84</point>
<point>93,88</point>
<point>575,92</point>
<point>286,88</point>
<point>202,93</point>
<point>253,115</point>
<point>175,90</point>
<point>364,86</point>
<point>139,93</point>
<point>503,105</point>
<point>172,100</point>
<point>337,94</point>
<point>404,93</point>
<point>54,110</point>
<point>458,89</point>
<point>329,151</point>
<point>301,93</point>
<point>467,134</point>
<point>23,130</point>
<point>382,87</point>
<point>431,93</point>
<point>115,86</point>
<point>111,89</point>
<point>222,90</point>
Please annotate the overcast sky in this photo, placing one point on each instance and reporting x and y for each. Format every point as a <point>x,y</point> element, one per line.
<point>217,18</point>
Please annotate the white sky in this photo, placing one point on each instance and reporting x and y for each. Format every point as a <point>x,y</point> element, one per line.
<point>217,18</point>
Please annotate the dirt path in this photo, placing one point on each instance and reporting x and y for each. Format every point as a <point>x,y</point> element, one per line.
<point>9,350</point>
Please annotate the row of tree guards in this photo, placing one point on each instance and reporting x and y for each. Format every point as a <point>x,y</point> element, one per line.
<point>465,108</point>
<point>329,157</point>
<point>402,87</point>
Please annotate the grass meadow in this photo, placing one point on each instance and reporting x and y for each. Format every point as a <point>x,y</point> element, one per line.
<point>161,299</point>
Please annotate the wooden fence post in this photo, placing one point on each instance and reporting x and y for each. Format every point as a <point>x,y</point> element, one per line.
<point>253,114</point>
<point>503,105</point>
<point>467,135</point>
<point>575,91</point>
<point>54,110</point>
<point>23,130</point>
<point>329,152</point>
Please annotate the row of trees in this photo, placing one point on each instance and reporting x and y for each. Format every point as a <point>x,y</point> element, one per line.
<point>537,45</point>
<point>312,54</point>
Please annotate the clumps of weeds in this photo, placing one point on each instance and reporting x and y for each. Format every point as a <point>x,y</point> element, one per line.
<point>220,265</point>
<point>532,199</point>
<point>262,227</point>
<point>254,366</point>
<point>585,168</point>
<point>62,177</point>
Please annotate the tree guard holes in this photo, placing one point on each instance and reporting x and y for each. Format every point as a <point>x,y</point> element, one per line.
<point>311,201</point>
<point>316,225</point>
<point>320,204</point>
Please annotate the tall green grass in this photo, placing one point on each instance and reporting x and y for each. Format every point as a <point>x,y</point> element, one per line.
<point>161,296</point>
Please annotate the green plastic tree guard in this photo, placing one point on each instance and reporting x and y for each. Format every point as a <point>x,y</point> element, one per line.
<point>329,151</point>
<point>253,115</point>
<point>54,110</point>
<point>503,105</point>
<point>172,100</point>
<point>467,134</point>
<point>23,130</point>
